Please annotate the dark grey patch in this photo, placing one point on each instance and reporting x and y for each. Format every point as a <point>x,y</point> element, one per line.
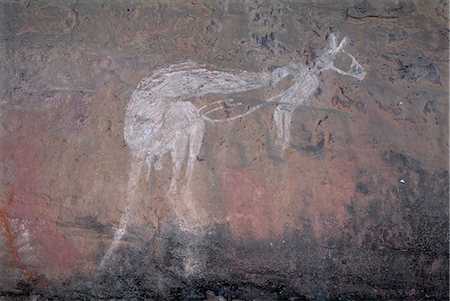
<point>341,101</point>
<point>316,149</point>
<point>362,187</point>
<point>350,208</point>
<point>91,222</point>
<point>373,208</point>
<point>310,55</point>
<point>422,191</point>
<point>408,71</point>
<point>318,92</point>
<point>294,266</point>
<point>381,9</point>
<point>401,161</point>
<point>265,41</point>
<point>433,73</point>
<point>88,222</point>
<point>361,106</point>
<point>214,26</point>
<point>397,35</point>
<point>412,65</point>
<point>265,24</point>
<point>430,107</point>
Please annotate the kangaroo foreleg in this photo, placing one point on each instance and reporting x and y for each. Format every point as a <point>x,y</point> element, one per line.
<point>278,118</point>
<point>178,154</point>
<point>287,129</point>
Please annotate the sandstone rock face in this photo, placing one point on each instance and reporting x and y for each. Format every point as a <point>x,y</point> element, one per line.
<point>354,206</point>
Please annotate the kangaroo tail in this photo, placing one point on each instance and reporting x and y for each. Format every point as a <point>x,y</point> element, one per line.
<point>253,109</point>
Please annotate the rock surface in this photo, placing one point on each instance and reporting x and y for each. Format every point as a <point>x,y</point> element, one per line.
<point>356,208</point>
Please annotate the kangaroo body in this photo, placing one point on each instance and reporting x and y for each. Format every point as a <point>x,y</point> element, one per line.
<point>158,121</point>
<point>157,113</point>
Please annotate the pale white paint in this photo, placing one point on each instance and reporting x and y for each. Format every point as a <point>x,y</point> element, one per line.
<point>159,120</point>
<point>22,241</point>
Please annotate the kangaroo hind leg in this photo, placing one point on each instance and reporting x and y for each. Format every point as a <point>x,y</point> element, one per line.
<point>133,181</point>
<point>195,143</point>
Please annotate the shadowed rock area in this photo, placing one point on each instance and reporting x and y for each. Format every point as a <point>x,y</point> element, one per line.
<point>353,207</point>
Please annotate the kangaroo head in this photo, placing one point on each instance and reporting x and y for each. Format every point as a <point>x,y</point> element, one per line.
<point>326,60</point>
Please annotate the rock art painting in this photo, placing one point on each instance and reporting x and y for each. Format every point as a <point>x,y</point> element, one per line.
<point>224,150</point>
<point>160,118</point>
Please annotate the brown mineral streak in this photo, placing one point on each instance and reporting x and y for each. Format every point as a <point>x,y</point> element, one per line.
<point>10,239</point>
<point>6,224</point>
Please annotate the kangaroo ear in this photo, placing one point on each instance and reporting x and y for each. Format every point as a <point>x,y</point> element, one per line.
<point>332,40</point>
<point>342,44</point>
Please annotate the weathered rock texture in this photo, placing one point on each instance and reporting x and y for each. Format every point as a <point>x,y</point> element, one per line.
<point>356,208</point>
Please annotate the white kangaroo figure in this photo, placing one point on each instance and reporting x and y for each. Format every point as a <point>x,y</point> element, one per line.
<point>159,118</point>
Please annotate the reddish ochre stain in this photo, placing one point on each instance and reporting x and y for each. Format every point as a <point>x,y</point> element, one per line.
<point>6,224</point>
<point>50,247</point>
<point>10,239</point>
<point>52,254</point>
<point>246,208</point>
